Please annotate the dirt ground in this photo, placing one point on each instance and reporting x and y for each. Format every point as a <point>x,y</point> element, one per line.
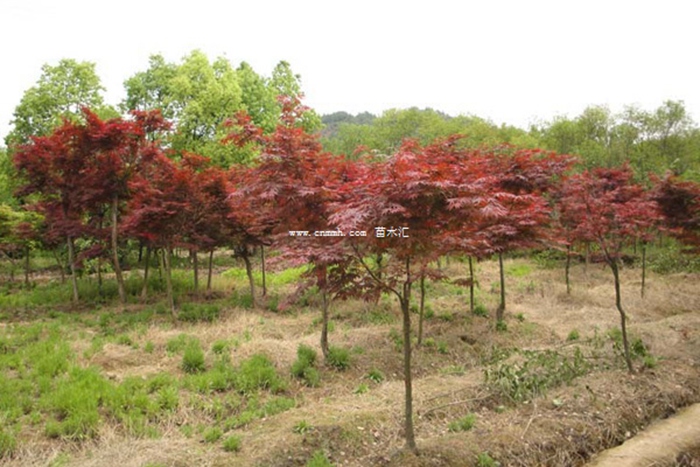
<point>567,425</point>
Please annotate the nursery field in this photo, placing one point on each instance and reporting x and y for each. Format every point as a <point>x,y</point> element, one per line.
<point>223,383</point>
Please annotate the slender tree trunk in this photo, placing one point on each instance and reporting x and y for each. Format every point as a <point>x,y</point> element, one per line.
<point>140,251</point>
<point>588,258</point>
<point>471,285</point>
<point>567,269</point>
<point>168,279</point>
<point>262,262</point>
<point>405,301</point>
<point>115,251</point>
<point>26,266</point>
<point>61,266</point>
<point>644,267</point>
<point>422,308</point>
<point>324,322</point>
<point>380,257</point>
<point>623,316</point>
<point>502,306</point>
<point>71,261</point>
<point>249,272</point>
<point>211,264</point>
<point>146,268</point>
<point>195,267</point>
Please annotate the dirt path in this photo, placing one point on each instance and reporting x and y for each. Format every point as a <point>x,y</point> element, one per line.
<point>662,442</point>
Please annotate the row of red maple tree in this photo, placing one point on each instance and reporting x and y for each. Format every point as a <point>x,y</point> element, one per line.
<point>114,183</point>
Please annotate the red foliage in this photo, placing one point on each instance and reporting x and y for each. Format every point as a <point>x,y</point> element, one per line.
<point>679,203</point>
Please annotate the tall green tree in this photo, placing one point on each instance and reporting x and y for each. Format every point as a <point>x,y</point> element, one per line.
<point>61,91</point>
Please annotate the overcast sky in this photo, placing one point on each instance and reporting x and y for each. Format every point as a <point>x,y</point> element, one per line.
<point>511,61</point>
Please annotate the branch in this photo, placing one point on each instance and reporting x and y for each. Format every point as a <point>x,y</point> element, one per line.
<point>373,276</point>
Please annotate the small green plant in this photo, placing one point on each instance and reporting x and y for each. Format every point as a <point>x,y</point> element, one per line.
<point>573,335</point>
<point>501,326</point>
<point>465,423</point>
<point>649,361</point>
<point>375,375</point>
<point>485,460</point>
<point>302,427</point>
<point>520,317</point>
<point>177,344</point>
<point>338,358</point>
<point>212,435</point>
<point>196,312</point>
<point>149,347</point>
<point>193,358</point>
<point>442,347</point>
<point>362,388</point>
<point>303,366</point>
<point>8,444</point>
<point>220,346</point>
<point>480,310</point>
<point>232,443</point>
<point>258,372</point>
<point>319,459</point>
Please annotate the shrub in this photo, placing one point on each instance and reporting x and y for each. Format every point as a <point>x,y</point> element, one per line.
<point>232,444</point>
<point>338,358</point>
<point>465,423</point>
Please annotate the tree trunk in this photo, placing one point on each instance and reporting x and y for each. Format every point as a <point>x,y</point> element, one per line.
<point>26,266</point>
<point>146,267</point>
<point>471,285</point>
<point>408,379</point>
<point>211,264</point>
<point>262,262</point>
<point>623,316</point>
<point>568,267</point>
<point>115,252</point>
<point>61,266</point>
<point>324,323</point>
<point>168,279</point>
<point>501,306</point>
<point>73,275</point>
<point>588,258</point>
<point>195,267</point>
<point>644,267</point>
<point>422,308</point>
<point>249,272</point>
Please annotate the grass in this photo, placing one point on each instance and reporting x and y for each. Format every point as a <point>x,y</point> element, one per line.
<point>465,423</point>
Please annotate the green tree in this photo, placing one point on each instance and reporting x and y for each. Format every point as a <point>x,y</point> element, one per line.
<point>284,82</point>
<point>60,93</point>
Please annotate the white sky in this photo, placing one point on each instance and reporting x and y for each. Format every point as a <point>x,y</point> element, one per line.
<point>512,61</point>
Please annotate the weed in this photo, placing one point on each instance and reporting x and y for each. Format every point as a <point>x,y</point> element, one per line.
<point>319,459</point>
<point>501,326</point>
<point>302,427</point>
<point>219,347</point>
<point>258,372</point>
<point>362,389</point>
<point>212,435</point>
<point>485,460</point>
<point>537,373</point>
<point>8,444</point>
<point>193,358</point>
<point>520,317</point>
<point>447,317</point>
<point>649,361</point>
<point>177,344</point>
<point>123,339</point>
<point>465,423</point>
<point>480,310</point>
<point>457,370</point>
<point>198,312</point>
<point>442,347</point>
<point>375,375</point>
<point>338,358</point>
<point>149,347</point>
<point>573,335</point>
<point>232,443</point>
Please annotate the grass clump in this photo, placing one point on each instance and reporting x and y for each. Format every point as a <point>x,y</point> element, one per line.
<point>258,372</point>
<point>480,310</point>
<point>574,335</point>
<point>8,444</point>
<point>465,423</point>
<point>198,312</point>
<point>232,443</point>
<point>212,435</point>
<point>303,366</point>
<point>319,459</point>
<point>302,427</point>
<point>375,375</point>
<point>193,358</point>
<point>338,358</point>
